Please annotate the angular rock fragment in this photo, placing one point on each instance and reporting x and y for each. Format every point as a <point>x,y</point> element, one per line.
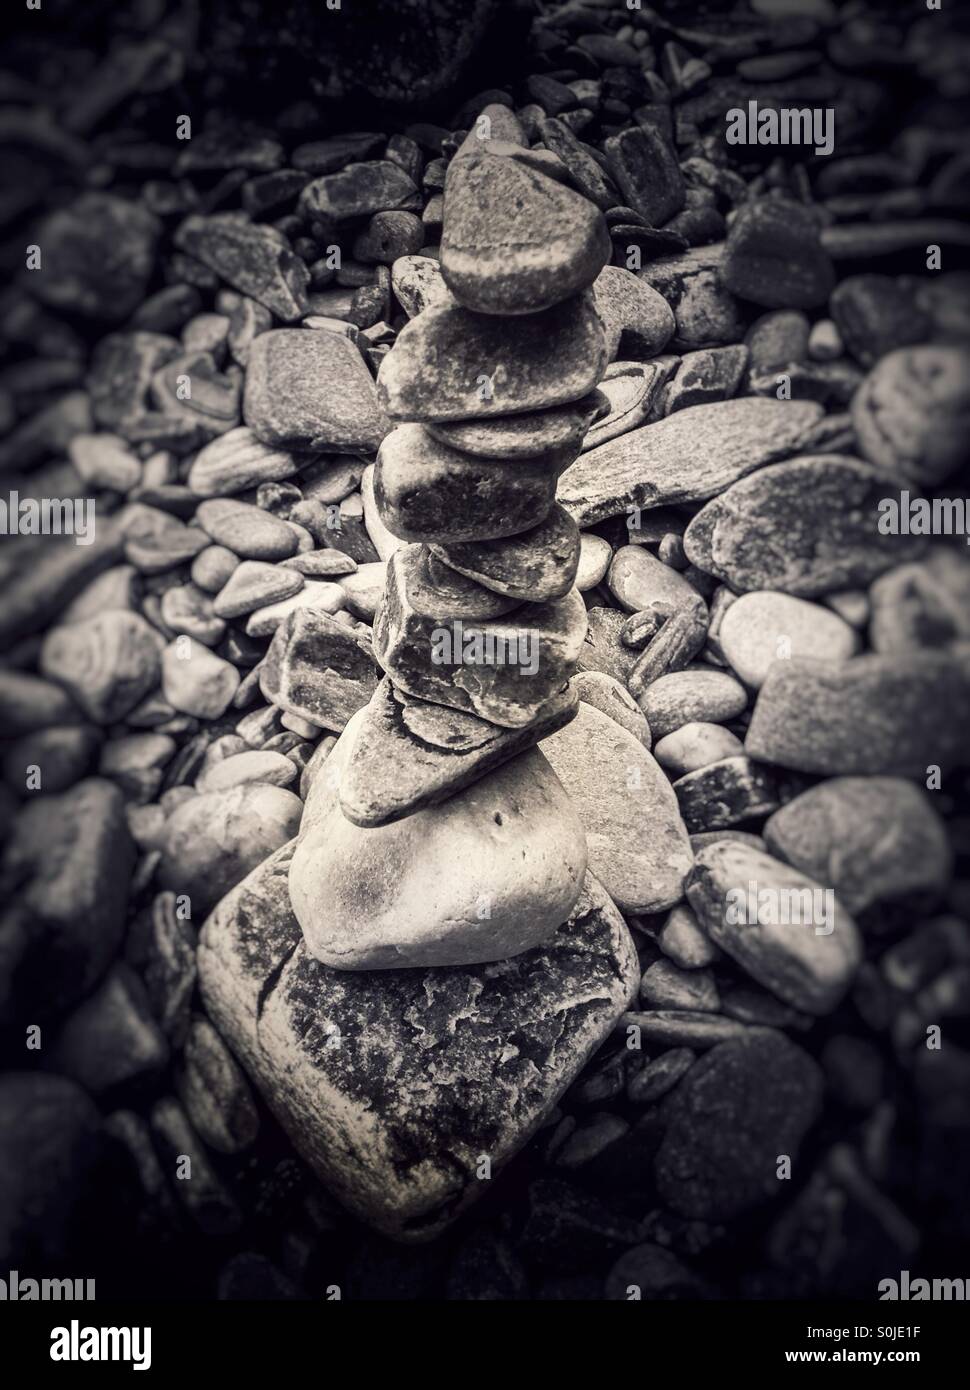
<point>392,1099</point>
<point>254,258</point>
<point>318,669</point>
<point>724,793</point>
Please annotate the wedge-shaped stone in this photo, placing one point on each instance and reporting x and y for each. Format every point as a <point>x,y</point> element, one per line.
<point>524,436</point>
<point>534,566</point>
<point>426,491</point>
<point>691,455</point>
<point>392,1085</point>
<point>449,364</point>
<point>514,240</point>
<point>488,874</point>
<point>409,754</point>
<point>506,670</point>
<point>318,669</point>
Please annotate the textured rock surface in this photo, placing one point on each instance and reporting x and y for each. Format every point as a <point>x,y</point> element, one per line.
<point>393,1084</point>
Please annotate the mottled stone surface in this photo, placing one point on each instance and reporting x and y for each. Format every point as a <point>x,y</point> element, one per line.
<point>821,512</point>
<point>776,923</point>
<point>514,240</point>
<point>724,793</point>
<point>693,454</point>
<point>318,669</point>
<point>409,754</point>
<point>523,436</point>
<point>869,838</point>
<point>912,413</point>
<point>426,491</point>
<point>449,364</point>
<point>872,715</point>
<point>446,660</point>
<point>534,566</point>
<point>392,1085</point>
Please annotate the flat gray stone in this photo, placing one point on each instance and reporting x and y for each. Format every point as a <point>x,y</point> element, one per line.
<point>686,697</point>
<point>448,364</point>
<point>393,1085</point>
<point>534,566</point>
<point>690,456</point>
<point>638,321</point>
<point>821,513</point>
<point>873,715</point>
<point>253,258</point>
<point>523,436</point>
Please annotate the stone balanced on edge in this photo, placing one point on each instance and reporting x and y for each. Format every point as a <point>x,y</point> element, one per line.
<point>417,978</point>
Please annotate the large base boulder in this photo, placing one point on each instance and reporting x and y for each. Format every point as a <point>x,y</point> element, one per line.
<point>408,1090</point>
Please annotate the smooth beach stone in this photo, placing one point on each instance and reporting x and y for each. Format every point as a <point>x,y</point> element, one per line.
<point>505,670</point>
<point>893,715</point>
<point>434,1063</point>
<point>534,566</point>
<point>666,986</point>
<point>213,567</point>
<point>437,591</point>
<point>410,893</point>
<point>821,512</point>
<point>774,256</point>
<point>765,626</point>
<point>427,492</point>
<point>237,461</point>
<point>418,284</point>
<point>876,314</point>
<point>408,754</point>
<point>255,765</point>
<point>188,609</point>
<point>515,241</point>
<point>871,838</point>
<point>688,697</point>
<point>638,321</point>
<point>638,845</point>
<point>595,555</point>
<point>691,455</point>
<point>318,669</point>
<point>645,167</point>
<point>921,605</point>
<point>523,436</point>
<point>196,681</point>
<point>724,793</point>
<point>106,664</point>
<point>214,840</point>
<point>911,414</point>
<point>643,584</point>
<point>29,703</point>
<point>809,962</point>
<point>253,584</point>
<point>694,746</point>
<point>248,531</point>
<point>363,590</point>
<point>320,596</point>
<point>308,389</point>
<point>684,940</point>
<point>450,364</point>
<point>383,540</point>
<point>748,1100</point>
<point>609,696</point>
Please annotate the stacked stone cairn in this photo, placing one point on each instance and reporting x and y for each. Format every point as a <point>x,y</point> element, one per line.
<point>480,625</point>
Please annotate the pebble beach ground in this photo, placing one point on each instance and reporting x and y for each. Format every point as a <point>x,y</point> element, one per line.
<point>636,956</point>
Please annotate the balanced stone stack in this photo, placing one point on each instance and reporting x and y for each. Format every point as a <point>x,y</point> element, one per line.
<point>480,625</point>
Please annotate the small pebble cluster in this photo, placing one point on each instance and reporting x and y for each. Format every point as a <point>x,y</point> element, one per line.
<point>296,886</point>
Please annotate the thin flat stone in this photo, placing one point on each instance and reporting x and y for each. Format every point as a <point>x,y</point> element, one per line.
<point>237,461</point>
<point>446,1064</point>
<point>631,389</point>
<point>523,436</point>
<point>821,513</point>
<point>318,670</point>
<point>873,715</point>
<point>409,754</point>
<point>533,566</point>
<point>690,456</point>
<point>254,584</point>
<point>254,258</point>
<point>449,364</point>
